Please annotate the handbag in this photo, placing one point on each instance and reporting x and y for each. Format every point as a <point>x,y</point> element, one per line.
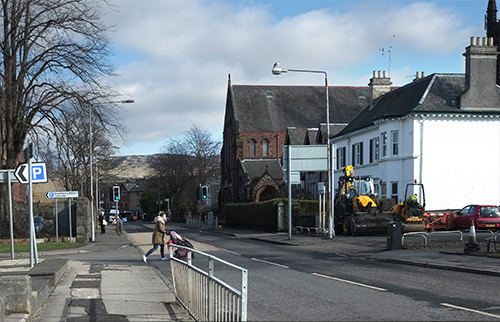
<point>104,222</point>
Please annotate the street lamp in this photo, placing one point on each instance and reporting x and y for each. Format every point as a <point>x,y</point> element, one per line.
<point>91,161</point>
<point>277,71</point>
<point>97,200</point>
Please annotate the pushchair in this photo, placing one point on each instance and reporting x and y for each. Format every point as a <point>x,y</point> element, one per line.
<point>176,239</point>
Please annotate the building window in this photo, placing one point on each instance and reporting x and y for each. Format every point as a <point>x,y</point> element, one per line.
<point>376,189</point>
<point>252,147</point>
<point>383,138</point>
<point>374,150</point>
<point>383,189</point>
<point>265,147</point>
<point>357,153</point>
<point>395,142</point>
<point>394,191</point>
<point>340,158</point>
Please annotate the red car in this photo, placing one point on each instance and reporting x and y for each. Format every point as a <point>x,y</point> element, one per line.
<point>484,216</point>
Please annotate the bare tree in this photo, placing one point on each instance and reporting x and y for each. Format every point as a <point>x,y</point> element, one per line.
<point>68,156</point>
<point>53,62</point>
<point>187,164</point>
<point>206,151</point>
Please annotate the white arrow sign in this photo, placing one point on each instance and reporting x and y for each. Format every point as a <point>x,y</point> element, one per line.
<point>61,194</point>
<point>21,173</point>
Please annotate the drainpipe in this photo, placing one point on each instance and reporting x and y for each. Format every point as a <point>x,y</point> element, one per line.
<point>421,161</point>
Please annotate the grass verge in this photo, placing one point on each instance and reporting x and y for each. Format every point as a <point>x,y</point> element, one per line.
<point>40,247</point>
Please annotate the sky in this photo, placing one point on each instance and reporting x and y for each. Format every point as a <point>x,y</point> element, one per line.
<point>174,57</point>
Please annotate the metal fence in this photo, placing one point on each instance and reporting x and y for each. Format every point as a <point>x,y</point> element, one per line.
<point>205,296</point>
<point>205,222</point>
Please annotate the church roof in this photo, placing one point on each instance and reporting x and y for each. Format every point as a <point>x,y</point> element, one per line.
<point>260,108</point>
<point>254,168</point>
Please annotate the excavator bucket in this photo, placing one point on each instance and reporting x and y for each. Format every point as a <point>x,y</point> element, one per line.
<point>363,222</point>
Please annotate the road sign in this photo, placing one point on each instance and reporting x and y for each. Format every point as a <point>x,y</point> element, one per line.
<point>61,194</point>
<point>38,172</point>
<point>7,175</point>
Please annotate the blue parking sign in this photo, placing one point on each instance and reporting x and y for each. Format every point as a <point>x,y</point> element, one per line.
<point>38,172</point>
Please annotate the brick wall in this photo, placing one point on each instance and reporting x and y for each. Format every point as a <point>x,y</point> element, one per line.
<point>274,140</point>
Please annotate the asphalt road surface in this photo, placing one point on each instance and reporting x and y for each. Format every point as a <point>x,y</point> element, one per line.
<point>313,283</point>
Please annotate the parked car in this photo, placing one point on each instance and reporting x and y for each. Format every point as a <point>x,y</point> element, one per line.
<point>484,216</point>
<point>111,219</point>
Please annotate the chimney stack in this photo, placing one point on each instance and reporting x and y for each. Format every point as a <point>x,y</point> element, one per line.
<point>417,76</point>
<point>481,91</point>
<point>379,84</point>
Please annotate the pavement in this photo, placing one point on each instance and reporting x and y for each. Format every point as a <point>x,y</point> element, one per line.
<point>97,293</point>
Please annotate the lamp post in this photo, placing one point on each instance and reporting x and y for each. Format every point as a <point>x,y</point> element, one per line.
<point>91,162</point>
<point>277,71</point>
<point>97,199</point>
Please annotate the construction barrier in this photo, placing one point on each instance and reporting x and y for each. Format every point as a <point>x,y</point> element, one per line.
<point>439,220</point>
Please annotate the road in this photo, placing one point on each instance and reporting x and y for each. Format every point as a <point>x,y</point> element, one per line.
<point>313,283</point>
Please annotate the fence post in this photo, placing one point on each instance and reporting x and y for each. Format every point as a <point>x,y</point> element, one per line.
<point>244,284</point>
<point>210,290</point>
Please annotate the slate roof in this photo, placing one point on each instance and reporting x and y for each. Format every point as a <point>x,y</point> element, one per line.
<point>260,108</point>
<point>311,135</point>
<point>254,168</point>
<point>295,136</point>
<point>436,93</point>
<point>334,129</point>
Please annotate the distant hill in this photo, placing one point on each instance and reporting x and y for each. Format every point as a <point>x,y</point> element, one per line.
<point>133,166</point>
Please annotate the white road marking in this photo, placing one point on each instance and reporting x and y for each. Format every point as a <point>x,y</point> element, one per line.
<point>351,282</point>
<point>271,263</point>
<point>471,310</point>
<point>230,251</point>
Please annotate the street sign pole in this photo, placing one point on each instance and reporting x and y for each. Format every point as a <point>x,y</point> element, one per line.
<point>57,224</point>
<point>11,216</point>
<point>70,225</point>
<point>33,248</point>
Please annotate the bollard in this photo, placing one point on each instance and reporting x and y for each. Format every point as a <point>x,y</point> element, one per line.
<point>472,246</point>
<point>394,236</point>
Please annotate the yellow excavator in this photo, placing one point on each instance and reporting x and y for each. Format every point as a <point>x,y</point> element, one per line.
<point>357,209</point>
<point>411,211</point>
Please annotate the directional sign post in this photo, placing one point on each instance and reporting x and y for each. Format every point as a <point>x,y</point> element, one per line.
<point>61,194</point>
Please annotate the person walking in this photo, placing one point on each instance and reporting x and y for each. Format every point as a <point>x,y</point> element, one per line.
<point>102,222</point>
<point>158,237</point>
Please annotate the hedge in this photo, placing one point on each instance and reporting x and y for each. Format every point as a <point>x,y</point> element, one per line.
<point>263,215</point>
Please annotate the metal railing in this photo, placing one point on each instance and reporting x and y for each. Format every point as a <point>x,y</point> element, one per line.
<point>205,296</point>
<point>422,234</point>
<point>446,232</point>
<point>205,222</point>
<point>316,230</point>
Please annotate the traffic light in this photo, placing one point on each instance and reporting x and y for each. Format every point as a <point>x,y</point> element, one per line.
<point>204,193</point>
<point>116,193</point>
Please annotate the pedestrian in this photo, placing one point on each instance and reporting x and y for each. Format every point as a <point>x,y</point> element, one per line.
<point>102,222</point>
<point>158,237</point>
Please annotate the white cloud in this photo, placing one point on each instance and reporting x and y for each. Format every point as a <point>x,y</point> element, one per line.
<point>174,56</point>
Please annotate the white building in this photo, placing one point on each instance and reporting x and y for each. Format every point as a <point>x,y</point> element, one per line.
<point>442,130</point>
